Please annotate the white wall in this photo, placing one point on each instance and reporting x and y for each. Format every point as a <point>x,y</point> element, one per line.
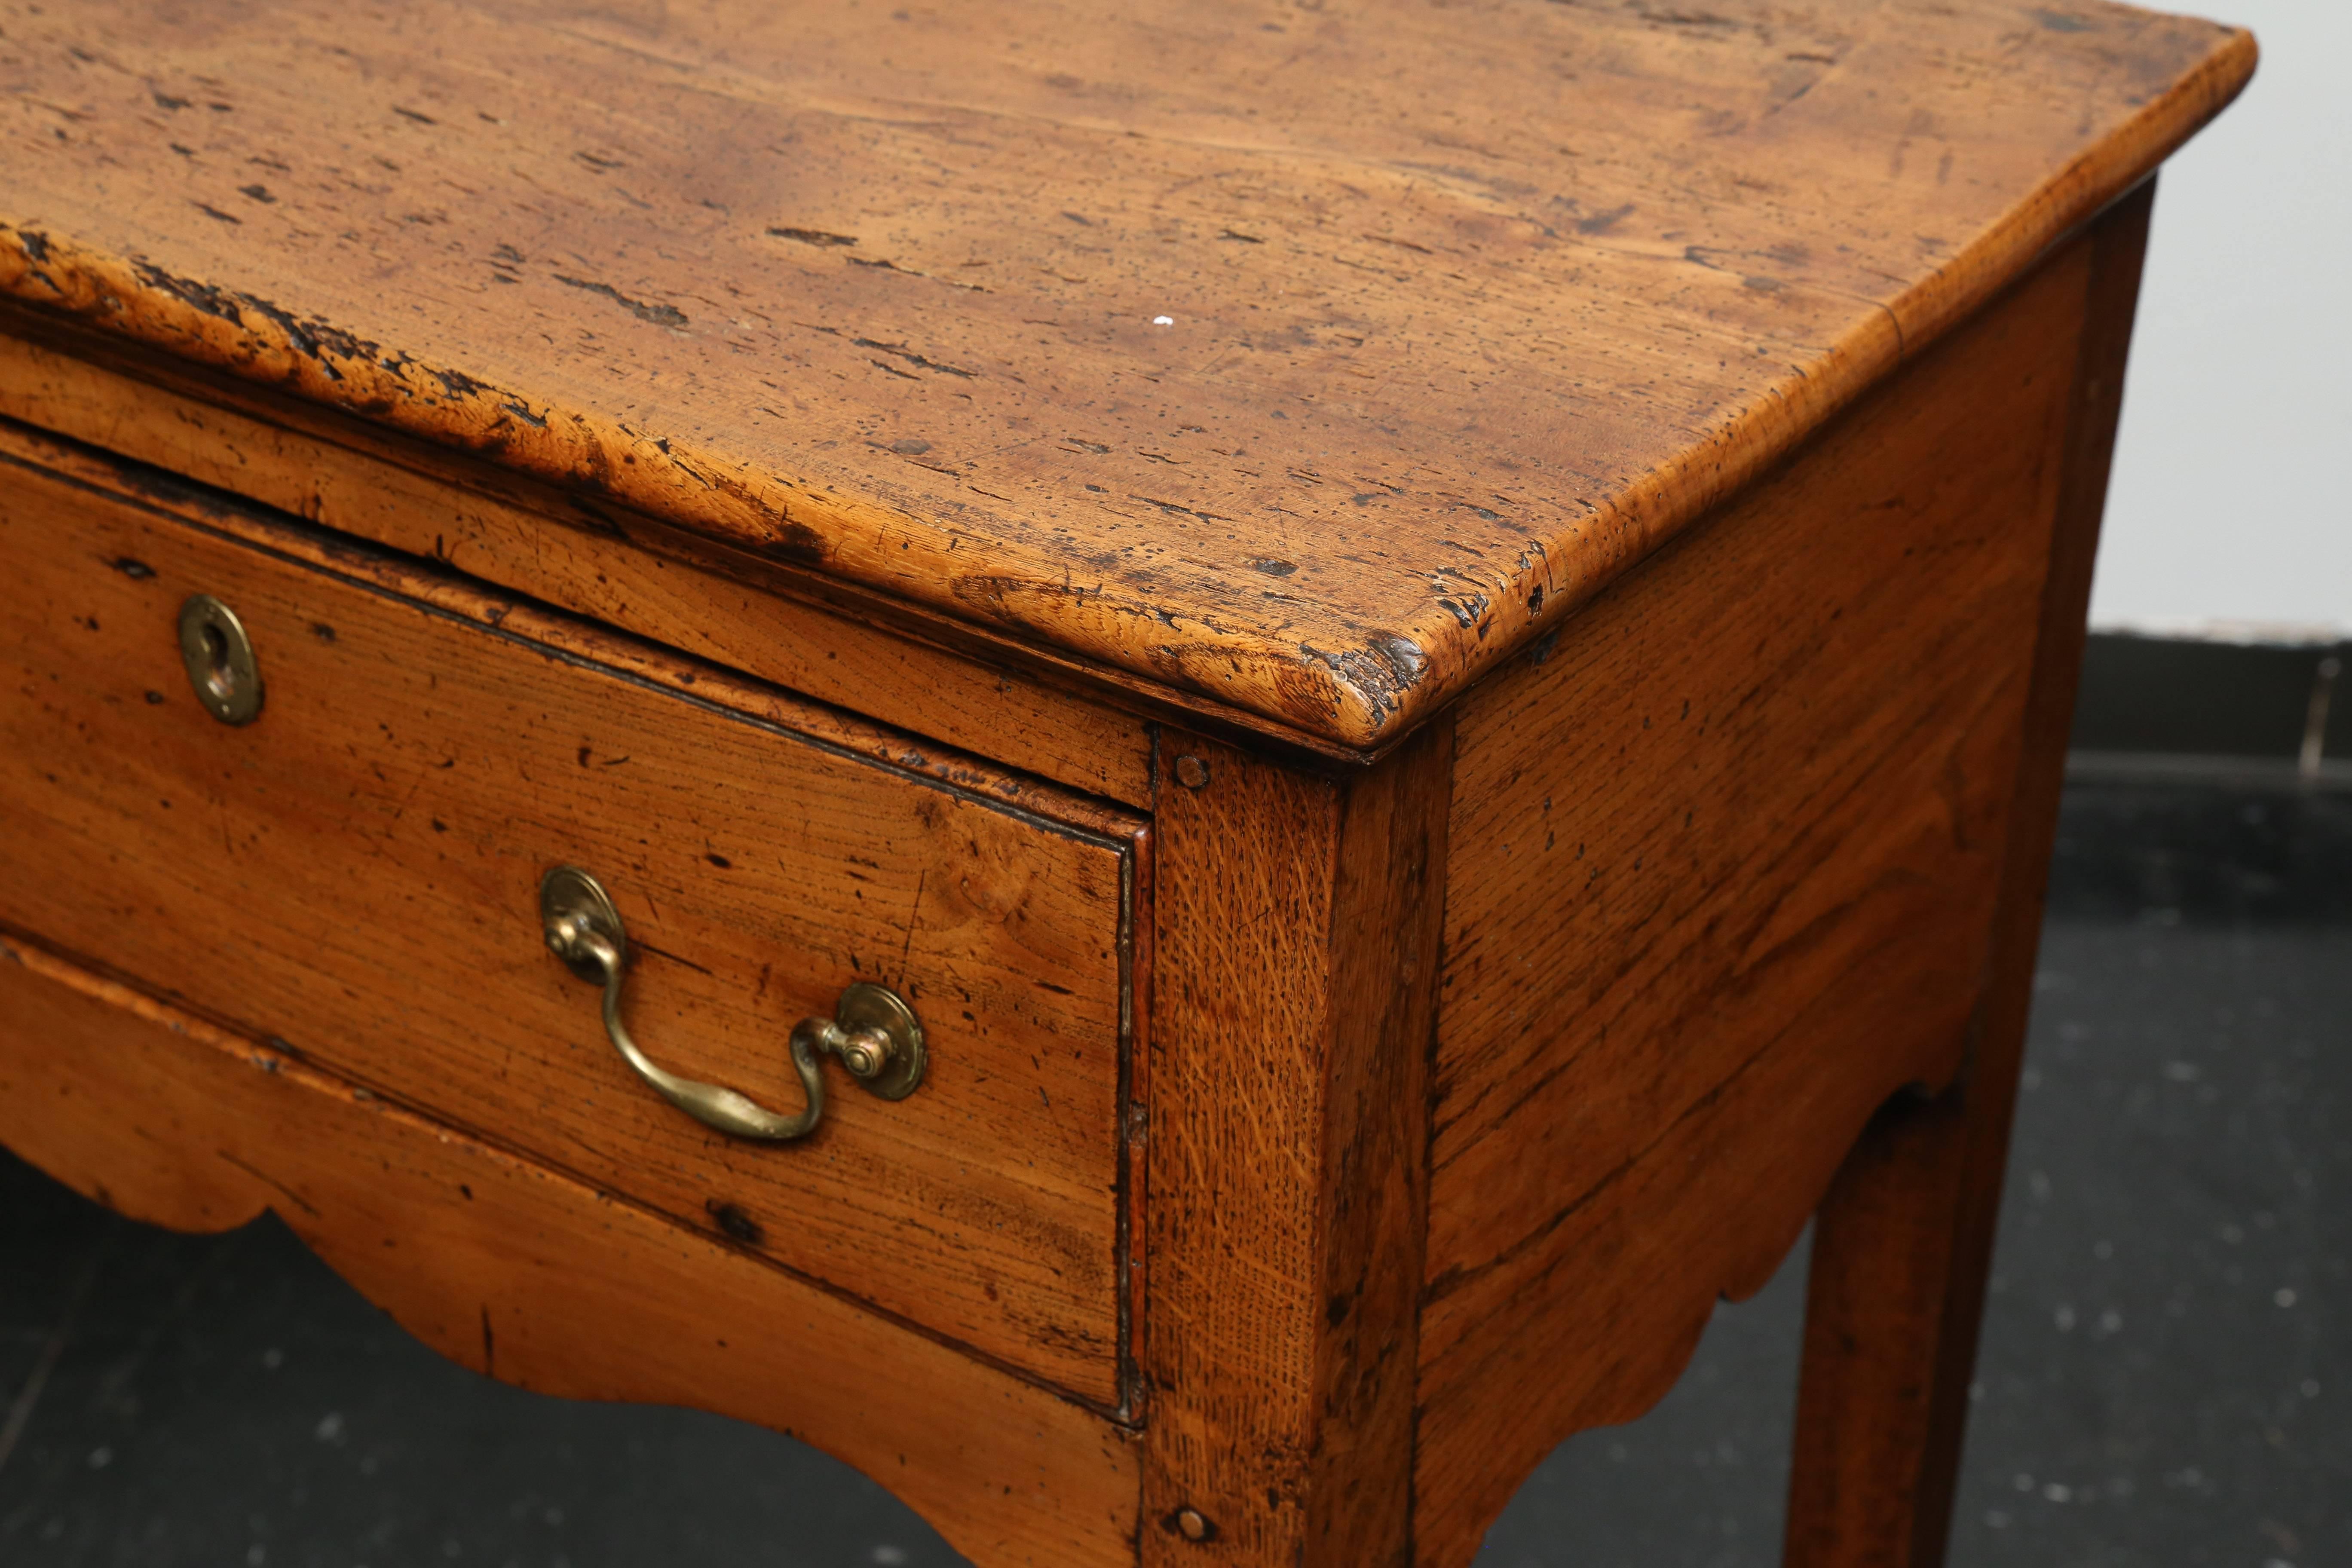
<point>2232,500</point>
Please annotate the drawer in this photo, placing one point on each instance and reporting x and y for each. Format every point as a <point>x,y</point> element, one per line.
<point>355,876</point>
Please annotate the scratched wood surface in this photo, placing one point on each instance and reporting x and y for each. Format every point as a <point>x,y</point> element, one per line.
<point>1313,360</point>
<point>1296,993</point>
<point>1727,859</point>
<point>355,874</point>
<point>533,1277</point>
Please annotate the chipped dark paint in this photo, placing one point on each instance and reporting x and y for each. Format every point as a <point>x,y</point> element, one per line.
<point>459,384</point>
<point>202,297</point>
<point>900,351</point>
<point>1175,508</point>
<point>302,339</point>
<point>816,236</point>
<point>1406,662</point>
<point>734,1223</point>
<point>1377,675</point>
<point>798,544</point>
<point>659,315</point>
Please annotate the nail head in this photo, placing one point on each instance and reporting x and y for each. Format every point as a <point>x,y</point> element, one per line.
<point>1193,773</point>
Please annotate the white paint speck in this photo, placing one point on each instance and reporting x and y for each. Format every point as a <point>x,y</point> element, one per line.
<point>1163,320</point>
<point>101,1458</point>
<point>889,1554</point>
<point>2058,1491</point>
<point>2284,1296</point>
<point>2311,1388</point>
<point>329,1428</point>
<point>1996,1520</point>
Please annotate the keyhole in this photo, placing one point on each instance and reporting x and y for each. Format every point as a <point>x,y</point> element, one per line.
<point>219,658</point>
<point>219,678</point>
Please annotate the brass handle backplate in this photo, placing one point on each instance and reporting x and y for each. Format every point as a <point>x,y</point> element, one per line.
<point>872,1029</point>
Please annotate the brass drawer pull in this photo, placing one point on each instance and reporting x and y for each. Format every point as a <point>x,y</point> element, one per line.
<point>872,1029</point>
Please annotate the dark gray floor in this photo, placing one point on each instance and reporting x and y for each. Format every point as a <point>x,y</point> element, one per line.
<point>2165,1377</point>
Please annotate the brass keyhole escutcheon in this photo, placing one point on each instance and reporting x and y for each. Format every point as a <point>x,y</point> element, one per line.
<point>220,661</point>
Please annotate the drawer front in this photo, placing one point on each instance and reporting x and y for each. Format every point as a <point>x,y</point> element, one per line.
<point>355,875</point>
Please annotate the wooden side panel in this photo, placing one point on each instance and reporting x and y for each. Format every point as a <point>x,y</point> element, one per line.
<point>1905,1236</point>
<point>625,570</point>
<point>1299,930</point>
<point>1729,858</point>
<point>355,873</point>
<point>535,1278</point>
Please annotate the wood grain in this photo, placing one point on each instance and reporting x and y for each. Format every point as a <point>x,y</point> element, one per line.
<point>768,618</point>
<point>1390,896</point>
<point>356,874</point>
<point>1298,926</point>
<point>1310,362</point>
<point>1727,859</point>
<point>1904,1240</point>
<point>533,1278</point>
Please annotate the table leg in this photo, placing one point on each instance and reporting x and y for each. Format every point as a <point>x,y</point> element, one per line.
<point>1904,1239</point>
<point>1899,1254</point>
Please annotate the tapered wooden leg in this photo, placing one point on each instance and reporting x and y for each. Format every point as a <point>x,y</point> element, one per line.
<point>1904,1238</point>
<point>1890,1333</point>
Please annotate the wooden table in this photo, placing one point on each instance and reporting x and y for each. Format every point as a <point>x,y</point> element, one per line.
<point>1424,648</point>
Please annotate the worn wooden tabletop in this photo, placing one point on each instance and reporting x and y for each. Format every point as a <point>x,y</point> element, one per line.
<point>1307,357</point>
